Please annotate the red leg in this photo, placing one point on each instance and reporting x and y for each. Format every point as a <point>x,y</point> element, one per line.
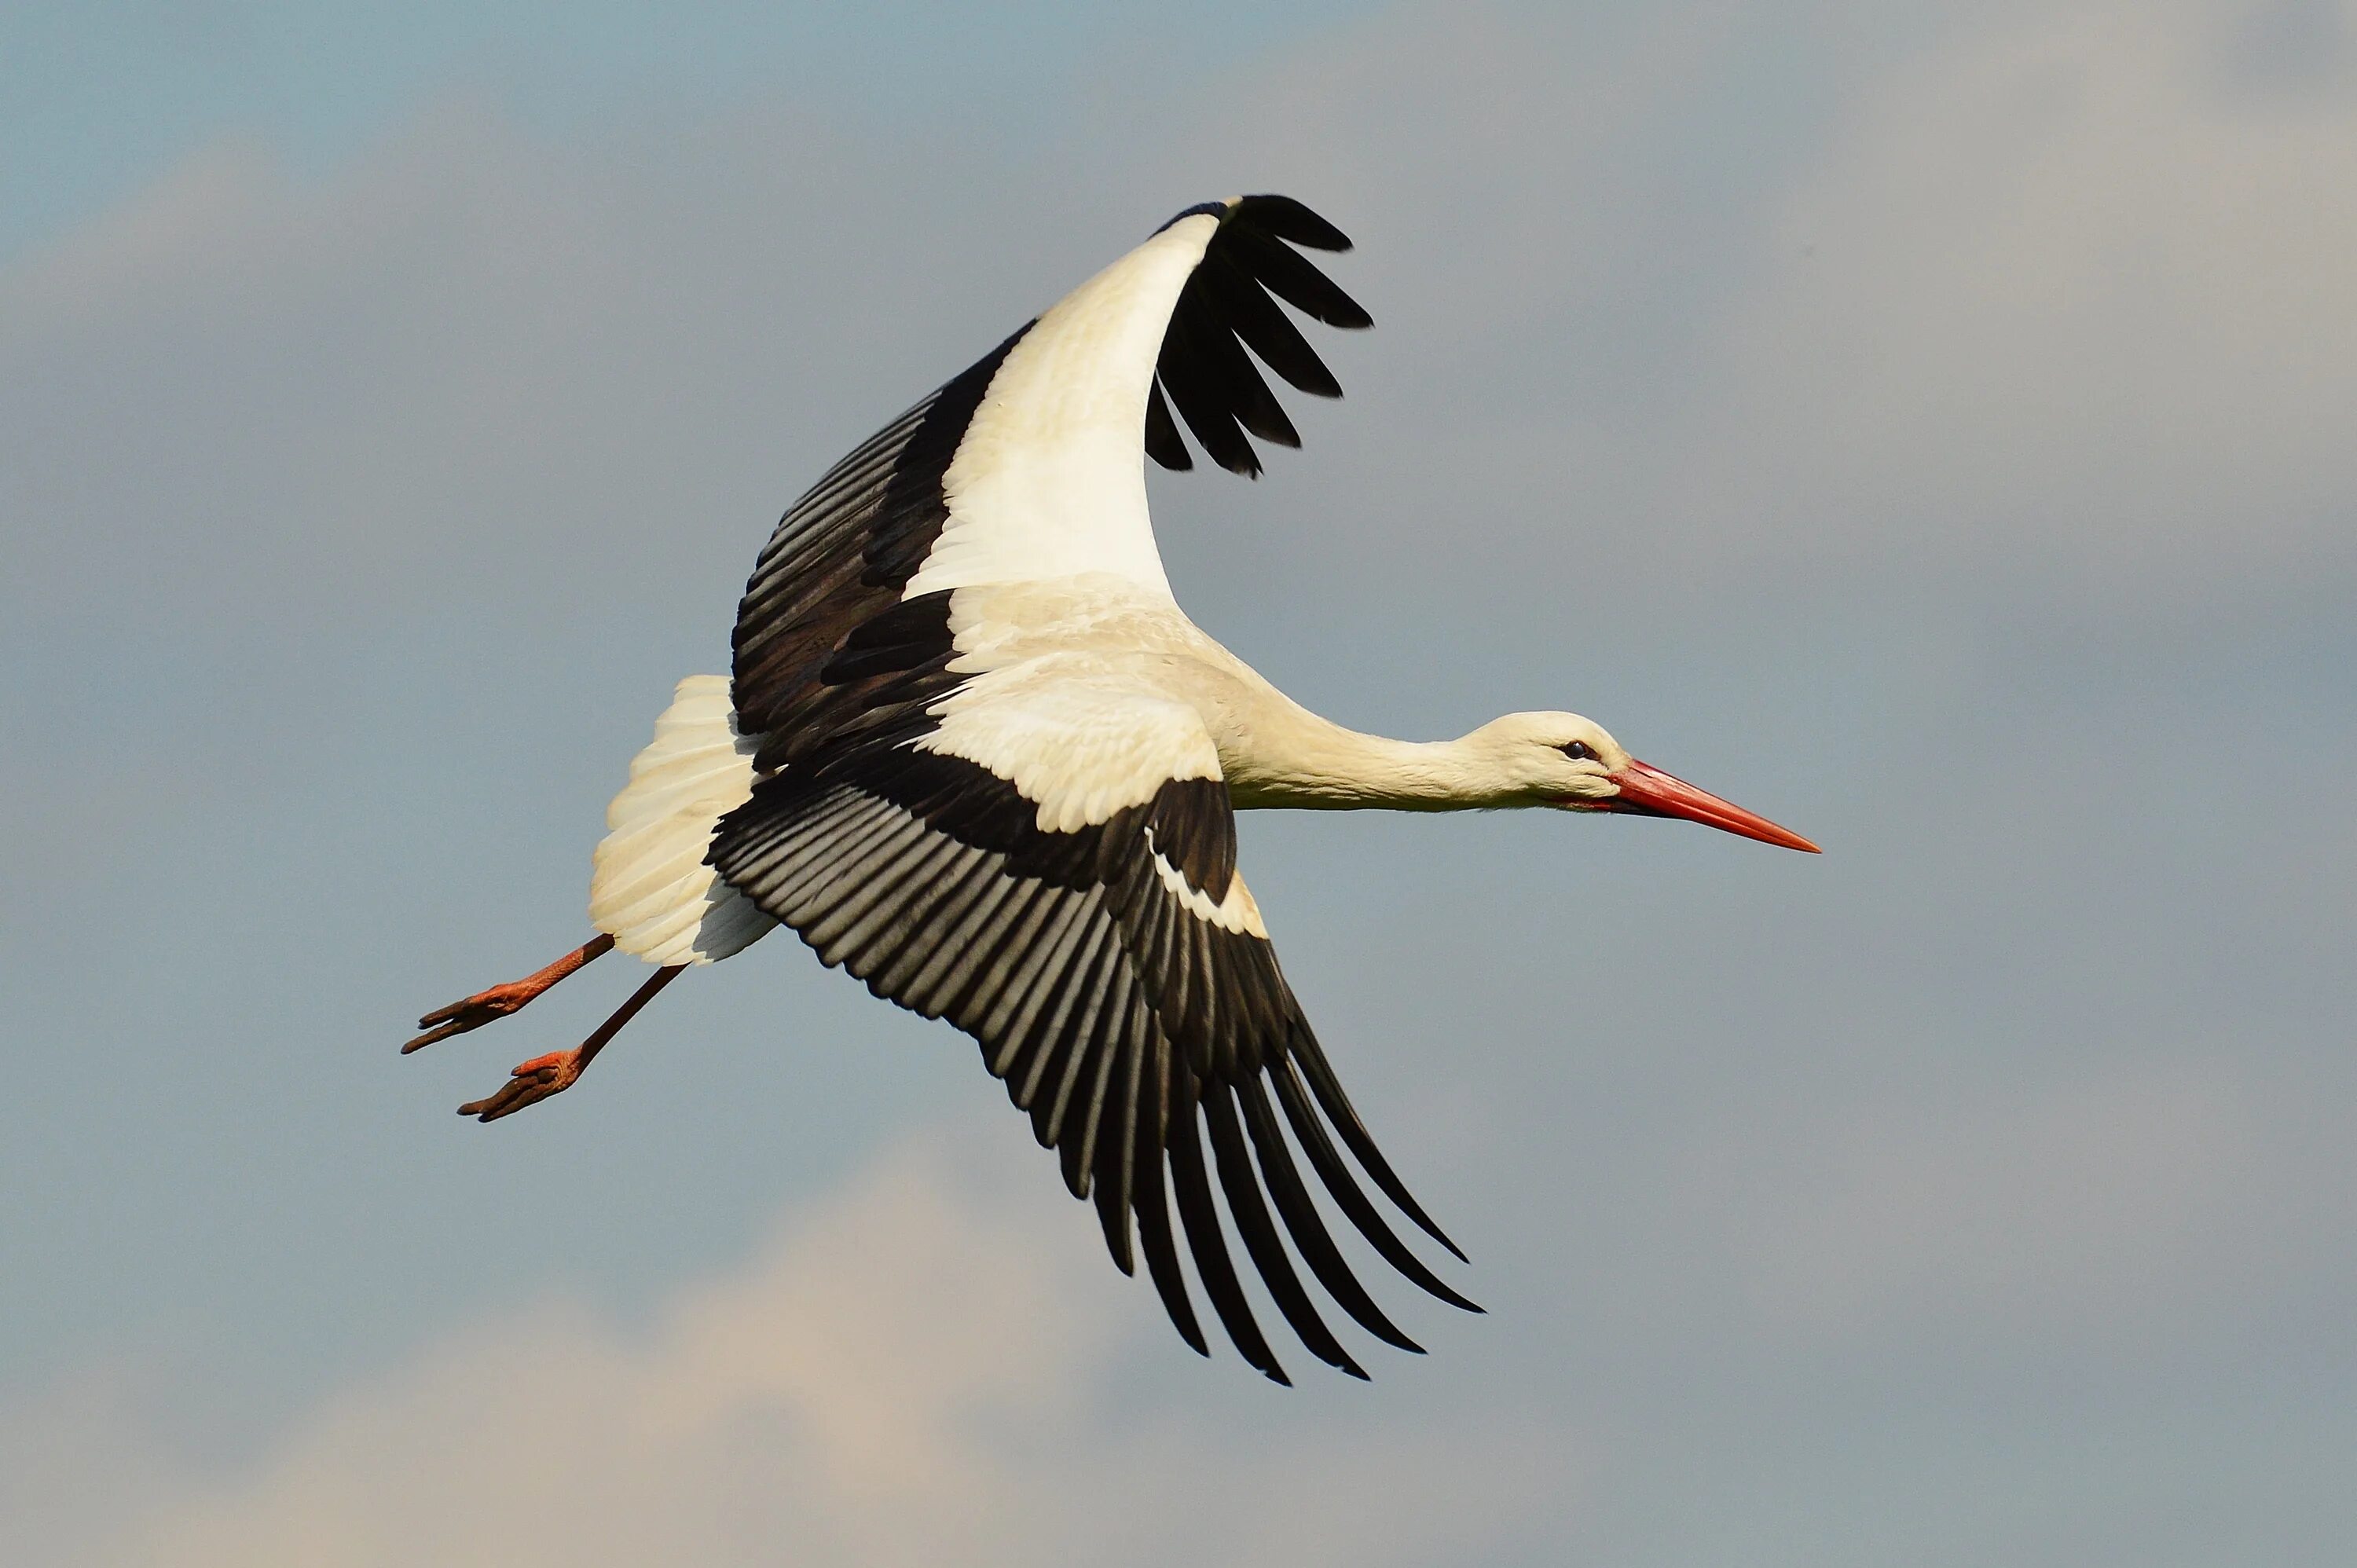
<point>484,1007</point>
<point>536,1079</point>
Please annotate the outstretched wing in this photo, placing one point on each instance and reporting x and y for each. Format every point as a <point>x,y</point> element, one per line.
<point>1050,864</point>
<point>1030,465</point>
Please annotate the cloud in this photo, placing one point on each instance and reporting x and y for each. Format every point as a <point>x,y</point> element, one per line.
<point>900,1376</point>
<point>2064,290</point>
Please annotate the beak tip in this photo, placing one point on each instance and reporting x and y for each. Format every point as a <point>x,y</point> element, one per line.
<point>1648,789</point>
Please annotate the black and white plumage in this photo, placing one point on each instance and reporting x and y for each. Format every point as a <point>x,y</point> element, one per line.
<point>973,753</point>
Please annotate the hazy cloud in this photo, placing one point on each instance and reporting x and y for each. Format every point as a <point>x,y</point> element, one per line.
<point>899,1377</point>
<point>2057,279</point>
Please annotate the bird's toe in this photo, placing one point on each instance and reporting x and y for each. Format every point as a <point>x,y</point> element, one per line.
<point>528,1084</point>
<point>466,1014</point>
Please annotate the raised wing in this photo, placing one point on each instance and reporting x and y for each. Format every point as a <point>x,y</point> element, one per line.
<point>1083,919</point>
<point>1029,465</point>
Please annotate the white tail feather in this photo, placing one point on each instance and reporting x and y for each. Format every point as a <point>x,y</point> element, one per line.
<point>649,888</point>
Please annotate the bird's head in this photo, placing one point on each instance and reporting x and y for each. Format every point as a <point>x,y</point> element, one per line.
<point>1571,763</point>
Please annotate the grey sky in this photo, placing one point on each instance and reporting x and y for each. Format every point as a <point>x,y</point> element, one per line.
<point>1926,426</point>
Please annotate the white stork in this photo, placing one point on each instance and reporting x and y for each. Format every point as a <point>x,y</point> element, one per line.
<point>973,752</point>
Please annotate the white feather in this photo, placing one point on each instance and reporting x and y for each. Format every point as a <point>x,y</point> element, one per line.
<point>649,888</point>
<point>1049,480</point>
<point>1239,911</point>
<point>1078,741</point>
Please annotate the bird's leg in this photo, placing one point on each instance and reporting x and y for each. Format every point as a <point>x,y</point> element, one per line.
<point>536,1079</point>
<point>484,1007</point>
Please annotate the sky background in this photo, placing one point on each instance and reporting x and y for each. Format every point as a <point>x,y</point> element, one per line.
<point>1928,424</point>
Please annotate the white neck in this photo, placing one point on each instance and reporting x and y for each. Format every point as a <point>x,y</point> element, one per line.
<point>1308,763</point>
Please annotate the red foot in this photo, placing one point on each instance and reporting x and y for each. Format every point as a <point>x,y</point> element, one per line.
<point>530,1083</point>
<point>536,1079</point>
<point>472,1013</point>
<point>484,1006</point>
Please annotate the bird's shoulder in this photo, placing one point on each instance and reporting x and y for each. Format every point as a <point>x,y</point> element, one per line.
<point>1092,663</point>
<point>1096,613</point>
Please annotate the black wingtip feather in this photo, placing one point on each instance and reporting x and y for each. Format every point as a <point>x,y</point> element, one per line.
<point>1264,327</point>
<point>1161,1251</point>
<point>1118,1177</point>
<point>1259,1231</point>
<point>1163,442</point>
<point>1289,220</point>
<point>1204,376</point>
<point>1202,401</point>
<point>1301,1221</point>
<point>1153,1203</point>
<point>1294,279</point>
<point>1346,1190</point>
<point>1113,1218</point>
<point>1328,1090</point>
<point>1256,407</point>
<point>1212,1266</point>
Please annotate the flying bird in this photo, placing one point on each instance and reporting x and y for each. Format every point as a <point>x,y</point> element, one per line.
<point>972,752</point>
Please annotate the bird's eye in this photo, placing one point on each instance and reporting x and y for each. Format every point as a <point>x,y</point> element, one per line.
<point>1580,751</point>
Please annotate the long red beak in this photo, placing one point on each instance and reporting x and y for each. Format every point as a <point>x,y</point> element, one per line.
<point>1649,791</point>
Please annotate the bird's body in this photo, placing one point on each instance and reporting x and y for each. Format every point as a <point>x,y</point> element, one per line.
<point>972,751</point>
